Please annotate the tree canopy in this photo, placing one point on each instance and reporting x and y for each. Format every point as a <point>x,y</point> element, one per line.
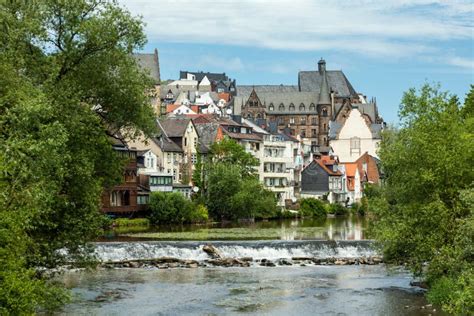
<point>425,211</point>
<point>69,82</point>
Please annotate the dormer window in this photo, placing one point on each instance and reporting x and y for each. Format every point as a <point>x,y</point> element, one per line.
<point>302,107</point>
<point>271,107</point>
<point>292,107</point>
<point>281,107</point>
<point>312,107</point>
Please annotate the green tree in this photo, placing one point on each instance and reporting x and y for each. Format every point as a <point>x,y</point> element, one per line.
<point>229,184</point>
<point>424,212</point>
<point>313,207</point>
<point>68,82</point>
<point>169,207</point>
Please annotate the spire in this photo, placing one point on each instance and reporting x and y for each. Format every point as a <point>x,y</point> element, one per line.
<point>324,93</point>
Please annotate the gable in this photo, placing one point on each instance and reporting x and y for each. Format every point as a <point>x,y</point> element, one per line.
<point>355,126</point>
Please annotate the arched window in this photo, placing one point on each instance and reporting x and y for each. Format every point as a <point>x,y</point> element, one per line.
<point>281,107</point>
<point>292,107</point>
<point>271,107</point>
<point>249,116</point>
<point>325,111</point>
<point>312,107</point>
<point>302,107</point>
<point>259,115</point>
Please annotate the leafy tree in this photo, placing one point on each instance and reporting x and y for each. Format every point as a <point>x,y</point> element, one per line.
<point>229,185</point>
<point>425,211</point>
<point>169,207</point>
<point>68,82</point>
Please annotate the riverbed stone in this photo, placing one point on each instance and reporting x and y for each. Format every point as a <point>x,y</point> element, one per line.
<point>212,251</point>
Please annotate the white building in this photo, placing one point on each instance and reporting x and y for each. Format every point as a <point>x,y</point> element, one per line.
<point>158,180</point>
<point>355,136</point>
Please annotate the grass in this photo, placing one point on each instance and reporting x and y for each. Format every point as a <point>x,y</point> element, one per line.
<point>126,222</point>
<point>237,234</point>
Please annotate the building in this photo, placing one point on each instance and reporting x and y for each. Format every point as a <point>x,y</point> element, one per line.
<point>151,64</point>
<point>355,130</point>
<point>151,176</point>
<point>323,178</point>
<point>125,198</point>
<point>182,132</point>
<point>217,82</point>
<point>306,109</point>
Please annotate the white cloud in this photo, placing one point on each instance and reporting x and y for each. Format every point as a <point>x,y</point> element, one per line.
<point>390,28</point>
<point>461,62</point>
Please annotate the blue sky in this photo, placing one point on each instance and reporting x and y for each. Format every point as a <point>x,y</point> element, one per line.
<point>383,47</point>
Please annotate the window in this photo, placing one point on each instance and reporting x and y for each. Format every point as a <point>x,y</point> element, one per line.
<point>312,107</point>
<point>193,159</point>
<point>126,197</point>
<point>292,120</point>
<point>185,141</point>
<point>160,180</point>
<point>303,120</point>
<point>142,199</point>
<point>314,132</point>
<point>314,121</point>
<point>174,174</point>
<point>195,141</point>
<point>292,107</point>
<point>152,162</point>
<point>302,107</point>
<point>259,116</point>
<point>303,133</point>
<point>355,146</point>
<point>168,155</point>
<point>325,112</point>
<point>281,107</point>
<point>271,107</point>
<point>324,127</point>
<point>249,116</point>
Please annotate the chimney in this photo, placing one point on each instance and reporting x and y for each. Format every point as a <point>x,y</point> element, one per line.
<point>321,65</point>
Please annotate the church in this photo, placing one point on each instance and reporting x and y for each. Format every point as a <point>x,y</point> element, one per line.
<point>323,99</point>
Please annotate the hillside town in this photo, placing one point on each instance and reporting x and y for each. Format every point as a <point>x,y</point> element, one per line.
<point>318,138</point>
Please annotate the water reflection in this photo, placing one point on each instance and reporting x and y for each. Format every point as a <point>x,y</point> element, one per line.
<point>335,228</point>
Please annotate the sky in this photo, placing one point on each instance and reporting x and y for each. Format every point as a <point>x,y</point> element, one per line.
<point>383,47</point>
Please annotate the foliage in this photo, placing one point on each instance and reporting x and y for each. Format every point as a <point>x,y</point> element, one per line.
<point>125,222</point>
<point>231,153</point>
<point>424,212</point>
<point>169,207</point>
<point>337,209</point>
<point>231,196</point>
<point>229,187</point>
<point>199,214</point>
<point>311,207</point>
<point>68,79</point>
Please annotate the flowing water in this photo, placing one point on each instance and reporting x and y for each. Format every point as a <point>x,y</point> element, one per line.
<point>295,289</point>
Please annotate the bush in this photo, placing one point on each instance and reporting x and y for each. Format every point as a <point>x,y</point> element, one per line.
<point>337,209</point>
<point>199,214</point>
<point>126,222</point>
<point>312,207</point>
<point>170,207</point>
<point>454,294</point>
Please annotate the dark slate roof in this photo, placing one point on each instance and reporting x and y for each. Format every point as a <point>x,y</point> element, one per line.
<point>150,63</point>
<point>311,81</point>
<point>368,109</point>
<point>295,98</point>
<point>207,132</point>
<point>334,128</point>
<point>174,127</point>
<point>168,145</point>
<point>244,91</point>
<point>212,76</point>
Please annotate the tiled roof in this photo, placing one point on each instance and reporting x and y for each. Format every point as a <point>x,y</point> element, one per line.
<point>168,145</point>
<point>351,168</point>
<point>243,136</point>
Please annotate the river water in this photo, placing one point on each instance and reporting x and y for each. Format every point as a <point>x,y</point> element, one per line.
<point>298,289</point>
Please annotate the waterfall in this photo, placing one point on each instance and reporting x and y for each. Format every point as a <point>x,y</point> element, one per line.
<point>271,250</point>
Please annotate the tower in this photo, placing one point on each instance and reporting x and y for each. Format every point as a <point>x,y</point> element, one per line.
<point>324,105</point>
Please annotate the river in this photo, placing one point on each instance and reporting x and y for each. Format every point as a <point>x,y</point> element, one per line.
<point>301,279</point>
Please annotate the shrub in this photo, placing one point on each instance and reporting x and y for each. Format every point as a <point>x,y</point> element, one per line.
<point>170,207</point>
<point>337,209</point>
<point>355,207</point>
<point>312,207</point>
<point>199,214</point>
<point>126,222</point>
<point>364,207</point>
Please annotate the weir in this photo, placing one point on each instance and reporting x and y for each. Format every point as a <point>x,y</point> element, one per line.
<point>257,250</point>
